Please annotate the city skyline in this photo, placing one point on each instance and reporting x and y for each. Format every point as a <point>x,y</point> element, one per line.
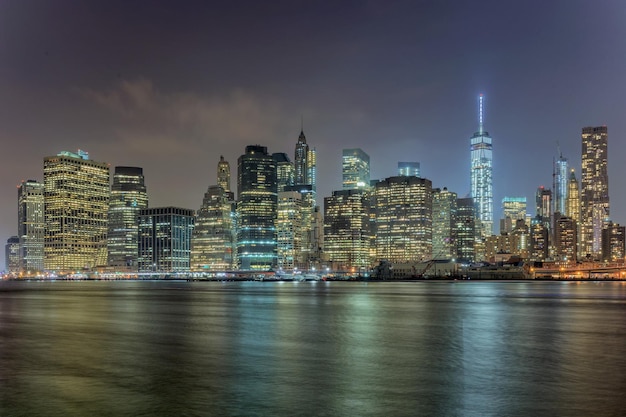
<point>409,93</point>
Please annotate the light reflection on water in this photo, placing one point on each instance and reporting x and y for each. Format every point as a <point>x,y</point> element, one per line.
<point>269,349</point>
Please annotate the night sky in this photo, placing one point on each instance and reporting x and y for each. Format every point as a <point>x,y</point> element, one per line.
<point>170,86</point>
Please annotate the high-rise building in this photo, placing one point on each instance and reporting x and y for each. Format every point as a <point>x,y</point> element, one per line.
<point>444,224</point>
<point>31,226</point>
<point>165,239</point>
<point>513,209</point>
<point>560,186</point>
<point>543,200</point>
<point>213,238</point>
<point>539,239</point>
<point>566,239</point>
<point>572,208</point>
<point>520,239</point>
<point>301,159</point>
<point>223,174</point>
<point>356,169</point>
<point>76,205</point>
<point>465,230</point>
<point>613,239</point>
<point>482,174</point>
<point>12,255</point>
<point>128,198</point>
<point>289,229</point>
<point>404,221</point>
<point>256,209</point>
<point>347,231</point>
<point>594,199</point>
<point>285,173</point>
<point>409,169</point>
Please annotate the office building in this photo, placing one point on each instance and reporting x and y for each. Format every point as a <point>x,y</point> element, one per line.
<point>213,239</point>
<point>355,169</point>
<point>31,226</point>
<point>513,209</point>
<point>444,224</point>
<point>594,196</point>
<point>12,255</point>
<point>539,239</point>
<point>285,172</point>
<point>347,230</point>
<point>290,230</point>
<point>566,239</point>
<point>543,200</point>
<point>482,174</point>
<point>409,169</point>
<point>165,239</point>
<point>403,219</point>
<point>256,209</point>
<point>572,208</point>
<point>128,198</point>
<point>76,205</point>
<point>560,186</point>
<point>613,238</point>
<point>465,230</point>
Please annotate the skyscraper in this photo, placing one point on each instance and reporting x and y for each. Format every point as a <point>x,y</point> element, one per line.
<point>165,239</point>
<point>223,174</point>
<point>289,229</point>
<point>594,201</point>
<point>572,208</point>
<point>300,160</point>
<point>355,169</point>
<point>31,225</point>
<point>256,209</point>
<point>513,209</point>
<point>285,173</point>
<point>347,231</point>
<point>561,178</point>
<point>465,230</point>
<point>409,169</point>
<point>76,204</point>
<point>128,198</point>
<point>444,224</point>
<point>482,174</point>
<point>404,220</point>
<point>213,237</point>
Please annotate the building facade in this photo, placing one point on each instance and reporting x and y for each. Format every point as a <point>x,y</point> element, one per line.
<point>128,198</point>
<point>560,186</point>
<point>213,239</point>
<point>76,205</point>
<point>355,169</point>
<point>465,230</point>
<point>256,209</point>
<point>12,255</point>
<point>165,239</point>
<point>31,226</point>
<point>404,221</point>
<point>513,209</point>
<point>594,199</point>
<point>566,239</point>
<point>347,230</point>
<point>444,222</point>
<point>481,174</point>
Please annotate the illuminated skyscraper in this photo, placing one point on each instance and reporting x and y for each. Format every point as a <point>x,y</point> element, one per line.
<point>356,169</point>
<point>165,239</point>
<point>482,174</point>
<point>543,200</point>
<point>613,240</point>
<point>128,198</point>
<point>539,243</point>
<point>256,209</point>
<point>76,205</point>
<point>561,178</point>
<point>572,208</point>
<point>594,200</point>
<point>566,239</point>
<point>289,228</point>
<point>223,174</point>
<point>513,209</point>
<point>285,173</point>
<point>404,219</point>
<point>12,255</point>
<point>444,224</point>
<point>300,161</point>
<point>465,230</point>
<point>347,231</point>
<point>213,238</point>
<point>31,225</point>
<point>409,169</point>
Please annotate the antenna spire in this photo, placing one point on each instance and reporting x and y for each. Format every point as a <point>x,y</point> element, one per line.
<point>480,113</point>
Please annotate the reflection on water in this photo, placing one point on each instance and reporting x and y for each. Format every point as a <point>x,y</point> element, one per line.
<point>288,349</point>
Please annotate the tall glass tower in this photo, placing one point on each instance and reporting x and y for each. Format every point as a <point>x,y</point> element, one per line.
<point>482,174</point>
<point>128,198</point>
<point>561,176</point>
<point>356,169</point>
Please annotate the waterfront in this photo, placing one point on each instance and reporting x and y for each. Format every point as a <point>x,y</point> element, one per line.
<point>312,348</point>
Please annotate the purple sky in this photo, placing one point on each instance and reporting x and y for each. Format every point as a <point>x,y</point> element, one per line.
<point>170,86</point>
